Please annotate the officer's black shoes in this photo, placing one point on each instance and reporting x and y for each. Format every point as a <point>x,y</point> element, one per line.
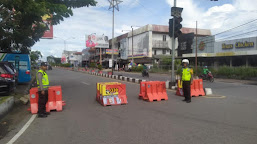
<point>189,101</point>
<point>42,115</point>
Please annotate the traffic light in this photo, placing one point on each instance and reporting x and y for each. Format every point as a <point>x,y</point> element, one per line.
<point>178,26</point>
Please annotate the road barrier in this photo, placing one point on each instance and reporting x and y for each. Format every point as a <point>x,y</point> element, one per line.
<point>179,91</point>
<point>196,88</point>
<point>153,91</point>
<point>109,73</point>
<point>55,101</point>
<point>111,93</point>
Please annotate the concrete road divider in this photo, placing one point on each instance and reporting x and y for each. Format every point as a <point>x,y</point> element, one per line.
<point>111,93</point>
<point>55,101</point>
<point>153,91</point>
<point>208,91</point>
<point>136,80</point>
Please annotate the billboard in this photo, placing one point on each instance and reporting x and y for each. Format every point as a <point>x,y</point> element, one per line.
<point>97,41</point>
<point>49,34</point>
<point>115,51</point>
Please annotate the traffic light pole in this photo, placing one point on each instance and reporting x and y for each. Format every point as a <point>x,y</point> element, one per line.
<point>112,35</point>
<point>173,49</point>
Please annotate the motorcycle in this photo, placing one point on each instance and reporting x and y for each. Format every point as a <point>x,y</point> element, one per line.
<point>145,73</point>
<point>208,77</point>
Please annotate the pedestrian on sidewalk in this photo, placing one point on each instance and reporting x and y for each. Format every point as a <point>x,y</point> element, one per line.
<point>43,84</point>
<point>187,80</point>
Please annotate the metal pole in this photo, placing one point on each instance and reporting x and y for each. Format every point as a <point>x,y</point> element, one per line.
<point>196,50</point>
<point>132,47</point>
<point>112,35</point>
<point>100,56</point>
<point>173,49</point>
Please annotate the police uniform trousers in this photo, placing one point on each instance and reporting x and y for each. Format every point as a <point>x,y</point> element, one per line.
<point>42,100</point>
<point>187,90</point>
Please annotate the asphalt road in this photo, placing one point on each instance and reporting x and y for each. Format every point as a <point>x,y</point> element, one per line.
<point>230,120</point>
<point>237,90</point>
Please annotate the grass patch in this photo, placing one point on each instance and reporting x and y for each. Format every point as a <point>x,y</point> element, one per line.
<point>3,99</point>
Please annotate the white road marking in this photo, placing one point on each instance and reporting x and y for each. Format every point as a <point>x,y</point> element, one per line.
<point>85,83</point>
<point>24,128</point>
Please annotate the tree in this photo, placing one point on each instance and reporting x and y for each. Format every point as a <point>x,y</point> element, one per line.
<point>35,55</point>
<point>21,24</point>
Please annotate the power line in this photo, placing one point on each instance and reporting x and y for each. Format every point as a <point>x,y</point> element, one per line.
<point>237,27</point>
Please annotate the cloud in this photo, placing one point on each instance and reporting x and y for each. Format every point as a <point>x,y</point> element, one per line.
<point>218,18</point>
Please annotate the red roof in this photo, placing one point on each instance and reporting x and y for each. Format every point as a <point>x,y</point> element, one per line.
<point>78,53</point>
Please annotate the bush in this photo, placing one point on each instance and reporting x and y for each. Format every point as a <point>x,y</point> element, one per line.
<point>137,69</point>
<point>66,65</point>
<point>92,65</point>
<point>100,67</point>
<point>237,72</point>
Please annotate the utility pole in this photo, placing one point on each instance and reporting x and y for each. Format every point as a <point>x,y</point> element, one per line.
<point>173,49</point>
<point>132,46</point>
<point>196,50</point>
<point>116,6</point>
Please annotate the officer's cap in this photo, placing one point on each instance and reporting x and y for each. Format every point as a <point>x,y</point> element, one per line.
<point>43,64</point>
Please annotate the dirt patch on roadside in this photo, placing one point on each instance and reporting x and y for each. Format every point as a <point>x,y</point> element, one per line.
<point>13,118</point>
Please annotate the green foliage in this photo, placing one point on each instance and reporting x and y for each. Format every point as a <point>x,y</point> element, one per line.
<point>237,72</point>
<point>100,67</point>
<point>166,60</point>
<point>92,65</point>
<point>21,24</point>
<point>65,65</point>
<point>35,55</point>
<point>137,69</point>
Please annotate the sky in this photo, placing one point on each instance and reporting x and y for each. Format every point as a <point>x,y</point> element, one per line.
<point>216,16</point>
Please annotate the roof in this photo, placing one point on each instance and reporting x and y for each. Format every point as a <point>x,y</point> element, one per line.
<point>184,30</point>
<point>78,53</point>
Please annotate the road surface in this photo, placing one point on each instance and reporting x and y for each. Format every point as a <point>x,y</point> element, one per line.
<point>230,120</point>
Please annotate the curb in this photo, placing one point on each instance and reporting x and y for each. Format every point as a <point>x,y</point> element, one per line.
<point>168,84</point>
<point>6,106</point>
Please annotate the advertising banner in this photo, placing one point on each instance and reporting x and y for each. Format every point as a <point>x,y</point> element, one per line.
<point>97,41</point>
<point>109,51</point>
<point>49,34</point>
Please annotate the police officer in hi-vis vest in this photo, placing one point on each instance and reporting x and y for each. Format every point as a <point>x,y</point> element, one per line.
<point>187,80</point>
<point>43,84</point>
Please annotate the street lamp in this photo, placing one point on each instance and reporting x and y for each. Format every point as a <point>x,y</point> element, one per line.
<point>64,42</point>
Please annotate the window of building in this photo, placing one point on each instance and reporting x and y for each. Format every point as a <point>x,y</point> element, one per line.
<point>170,52</point>
<point>154,52</point>
<point>164,51</point>
<point>164,38</point>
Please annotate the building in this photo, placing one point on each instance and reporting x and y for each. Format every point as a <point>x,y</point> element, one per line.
<point>150,43</point>
<point>72,57</point>
<point>237,52</point>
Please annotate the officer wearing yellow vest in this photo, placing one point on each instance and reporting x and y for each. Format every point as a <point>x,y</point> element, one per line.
<point>43,84</point>
<point>187,80</point>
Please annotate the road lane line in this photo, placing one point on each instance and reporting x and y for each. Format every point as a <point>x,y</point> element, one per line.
<point>85,83</point>
<point>24,128</point>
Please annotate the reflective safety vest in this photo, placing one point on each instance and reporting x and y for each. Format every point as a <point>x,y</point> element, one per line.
<point>186,74</point>
<point>45,81</point>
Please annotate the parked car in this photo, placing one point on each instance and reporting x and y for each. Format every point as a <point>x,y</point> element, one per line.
<point>7,79</point>
<point>16,73</point>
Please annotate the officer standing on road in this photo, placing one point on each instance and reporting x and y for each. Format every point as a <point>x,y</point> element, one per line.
<point>187,80</point>
<point>43,84</point>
